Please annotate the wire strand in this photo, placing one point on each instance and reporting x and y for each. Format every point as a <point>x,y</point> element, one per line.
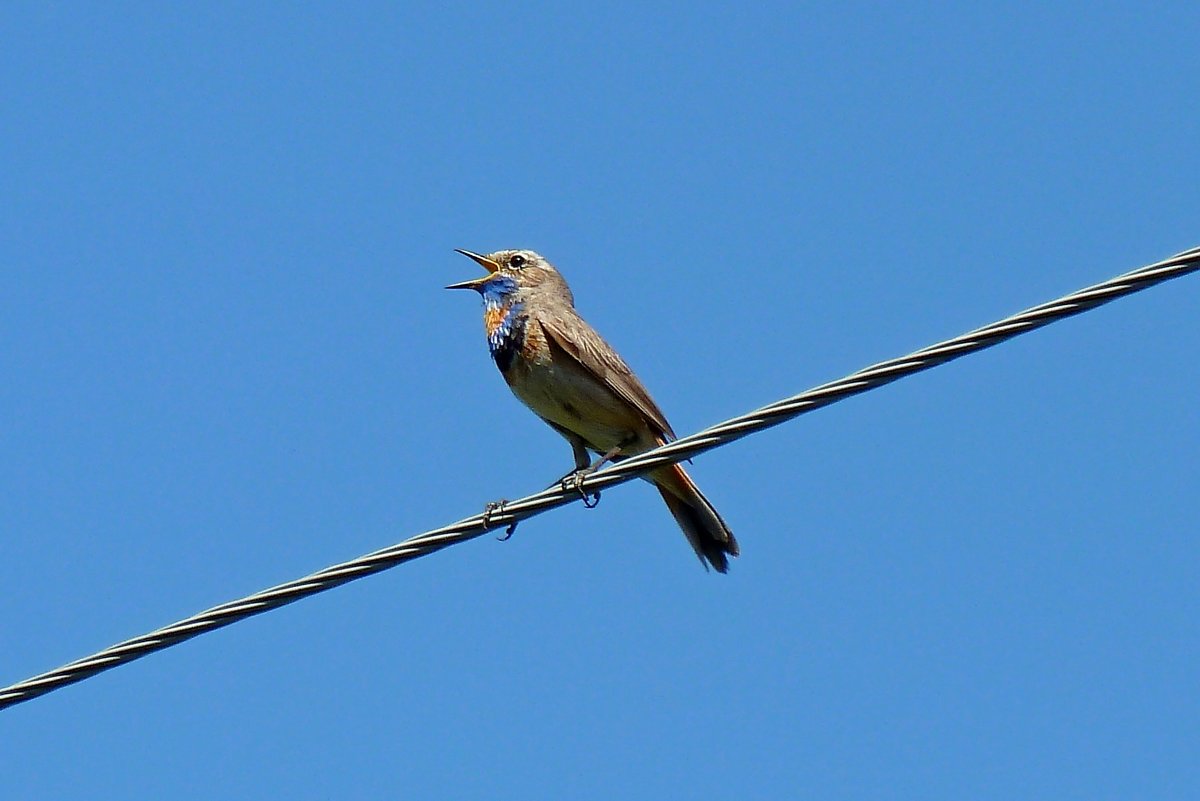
<point>512,512</point>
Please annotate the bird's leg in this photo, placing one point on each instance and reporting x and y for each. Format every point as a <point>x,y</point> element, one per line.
<point>582,460</point>
<point>606,458</point>
<point>594,499</point>
<point>583,469</point>
<point>578,450</point>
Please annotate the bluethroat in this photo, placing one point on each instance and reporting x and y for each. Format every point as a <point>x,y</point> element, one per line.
<point>558,366</point>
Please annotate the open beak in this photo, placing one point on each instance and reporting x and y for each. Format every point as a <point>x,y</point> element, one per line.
<point>482,261</point>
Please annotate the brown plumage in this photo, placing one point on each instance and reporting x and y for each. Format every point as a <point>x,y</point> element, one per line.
<point>559,367</point>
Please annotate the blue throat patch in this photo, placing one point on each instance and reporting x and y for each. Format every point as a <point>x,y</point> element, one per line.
<point>498,291</point>
<point>504,321</point>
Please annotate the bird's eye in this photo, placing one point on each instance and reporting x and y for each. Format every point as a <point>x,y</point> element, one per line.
<point>516,261</point>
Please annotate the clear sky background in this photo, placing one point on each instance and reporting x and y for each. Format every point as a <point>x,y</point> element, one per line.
<point>228,360</point>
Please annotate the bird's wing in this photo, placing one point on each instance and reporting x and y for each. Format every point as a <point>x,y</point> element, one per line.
<point>580,341</point>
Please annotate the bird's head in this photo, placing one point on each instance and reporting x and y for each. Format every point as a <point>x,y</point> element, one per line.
<point>516,270</point>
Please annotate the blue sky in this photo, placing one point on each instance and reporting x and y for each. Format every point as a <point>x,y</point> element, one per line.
<point>228,361</point>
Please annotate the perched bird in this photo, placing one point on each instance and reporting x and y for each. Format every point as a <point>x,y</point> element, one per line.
<point>558,366</point>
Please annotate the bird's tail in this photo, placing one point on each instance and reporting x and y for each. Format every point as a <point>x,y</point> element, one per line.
<point>704,528</point>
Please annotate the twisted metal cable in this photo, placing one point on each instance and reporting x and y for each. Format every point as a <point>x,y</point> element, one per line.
<point>512,512</point>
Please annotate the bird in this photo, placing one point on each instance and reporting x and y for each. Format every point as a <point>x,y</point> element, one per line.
<point>564,371</point>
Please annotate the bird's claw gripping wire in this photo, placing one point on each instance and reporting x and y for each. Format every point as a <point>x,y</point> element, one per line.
<point>574,481</point>
<point>494,508</point>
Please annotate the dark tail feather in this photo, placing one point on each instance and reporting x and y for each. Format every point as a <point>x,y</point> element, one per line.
<point>703,526</point>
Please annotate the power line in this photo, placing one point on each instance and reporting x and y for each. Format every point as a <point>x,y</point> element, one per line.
<point>715,436</point>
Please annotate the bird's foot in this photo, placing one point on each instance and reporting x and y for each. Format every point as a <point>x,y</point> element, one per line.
<point>494,508</point>
<point>574,481</point>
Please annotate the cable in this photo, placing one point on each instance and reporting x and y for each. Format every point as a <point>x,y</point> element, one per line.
<point>715,436</point>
